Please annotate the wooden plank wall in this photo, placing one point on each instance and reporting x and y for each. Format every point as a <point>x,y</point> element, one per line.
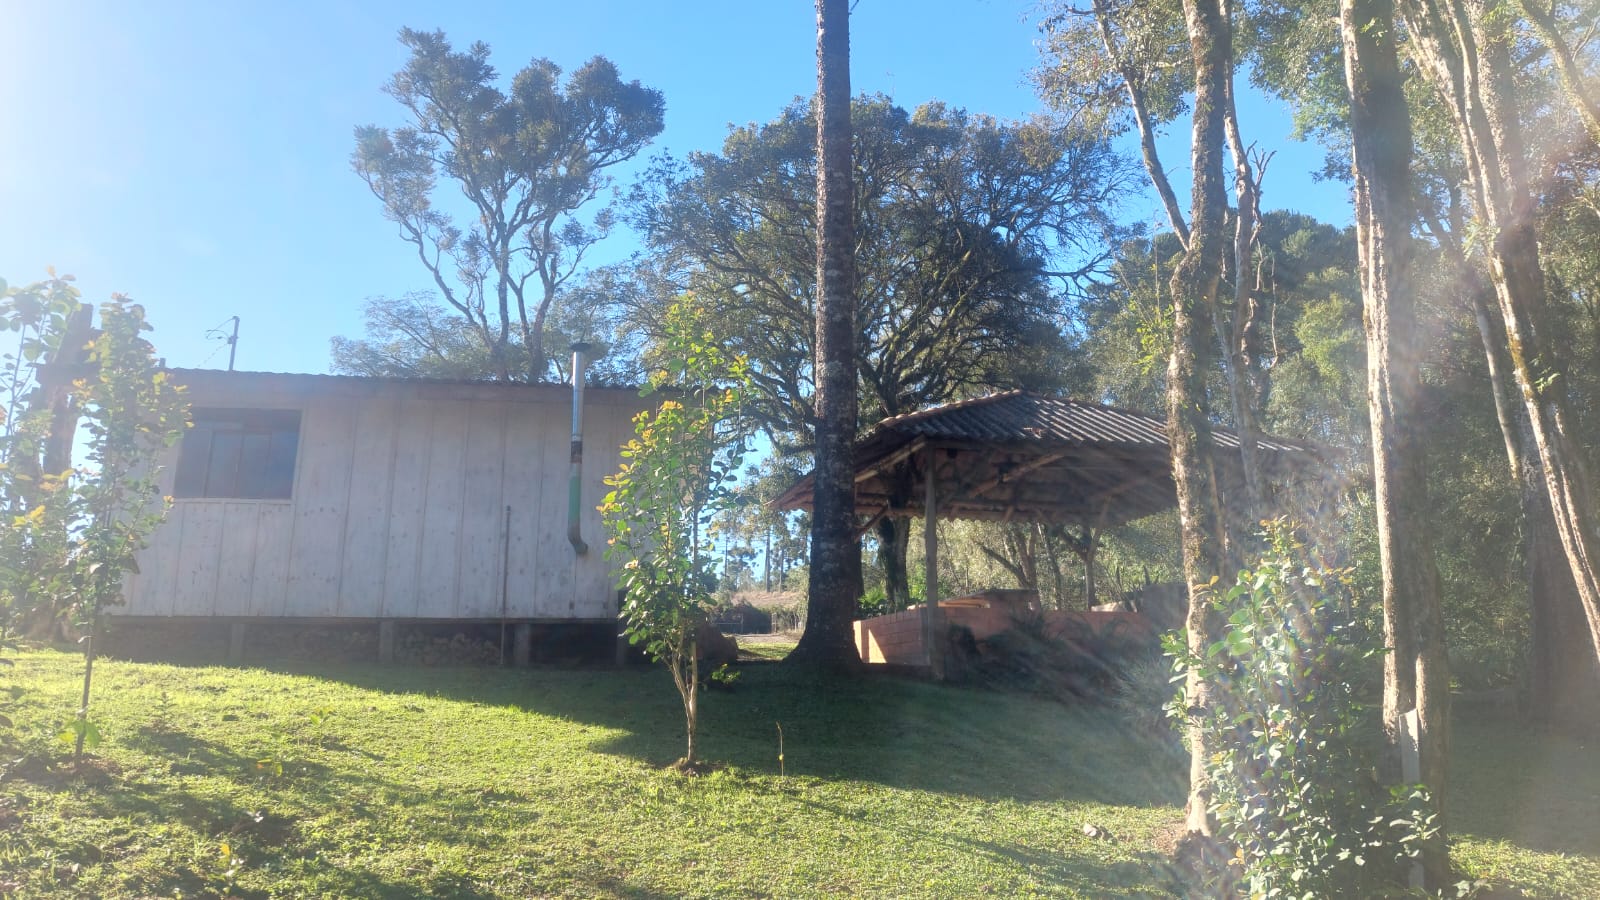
<point>399,511</point>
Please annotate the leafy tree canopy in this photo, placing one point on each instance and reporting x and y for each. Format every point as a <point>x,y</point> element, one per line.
<point>967,231</point>
<point>526,162</point>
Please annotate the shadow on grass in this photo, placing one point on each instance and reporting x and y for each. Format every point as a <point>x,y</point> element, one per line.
<point>1537,790</point>
<point>200,790</point>
<point>899,733</point>
<point>1084,873</point>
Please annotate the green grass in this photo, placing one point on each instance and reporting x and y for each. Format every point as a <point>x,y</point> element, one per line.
<point>408,782</point>
<point>764,648</point>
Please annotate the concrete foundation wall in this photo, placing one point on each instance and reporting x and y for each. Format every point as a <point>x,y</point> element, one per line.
<point>896,638</point>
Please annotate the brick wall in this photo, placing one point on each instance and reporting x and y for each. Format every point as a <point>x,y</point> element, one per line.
<point>897,637</point>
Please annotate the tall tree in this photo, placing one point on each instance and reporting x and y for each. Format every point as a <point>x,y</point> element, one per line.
<point>1295,54</point>
<point>526,163</point>
<point>1415,676</point>
<point>968,234</point>
<point>1195,287</point>
<point>835,584</point>
<point>1132,60</point>
<point>1464,49</point>
<point>415,336</point>
<point>1115,61</point>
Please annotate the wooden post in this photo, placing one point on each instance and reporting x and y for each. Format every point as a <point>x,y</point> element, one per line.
<point>1089,551</point>
<point>1411,773</point>
<point>521,645</point>
<point>386,630</point>
<point>236,633</point>
<point>932,633</point>
<point>622,633</point>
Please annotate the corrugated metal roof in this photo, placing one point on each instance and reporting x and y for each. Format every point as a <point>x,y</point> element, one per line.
<point>1033,456</point>
<point>312,379</point>
<point>1024,417</point>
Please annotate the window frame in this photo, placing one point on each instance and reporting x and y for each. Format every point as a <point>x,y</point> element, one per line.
<point>267,426</point>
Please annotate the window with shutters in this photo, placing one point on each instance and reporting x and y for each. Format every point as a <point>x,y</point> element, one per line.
<point>242,454</point>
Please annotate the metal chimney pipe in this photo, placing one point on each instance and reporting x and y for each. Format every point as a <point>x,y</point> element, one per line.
<point>575,484</point>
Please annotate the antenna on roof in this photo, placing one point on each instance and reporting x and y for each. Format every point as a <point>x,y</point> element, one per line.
<point>231,339</point>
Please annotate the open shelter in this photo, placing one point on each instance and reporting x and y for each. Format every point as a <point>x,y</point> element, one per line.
<point>1024,456</point>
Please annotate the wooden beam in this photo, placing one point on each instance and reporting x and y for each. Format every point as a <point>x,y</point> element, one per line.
<point>1104,498</point>
<point>866,526</point>
<point>891,460</point>
<point>1003,478</point>
<point>932,634</point>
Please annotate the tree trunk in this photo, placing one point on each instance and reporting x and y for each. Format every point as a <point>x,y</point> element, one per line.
<point>534,338</point>
<point>1195,285</point>
<point>894,538</point>
<point>1414,670</point>
<point>1582,97</point>
<point>691,705</point>
<point>1024,541</point>
<point>1563,676</point>
<point>1050,538</point>
<point>1091,549</point>
<point>1138,103</point>
<point>835,552</point>
<point>1462,48</point>
<point>64,412</point>
<point>89,650</point>
<point>1238,362</point>
<point>894,543</point>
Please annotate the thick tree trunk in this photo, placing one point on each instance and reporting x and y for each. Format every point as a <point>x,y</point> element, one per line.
<point>1195,285</point>
<point>1414,672</point>
<point>894,544</point>
<point>894,538</point>
<point>1563,676</point>
<point>835,552</point>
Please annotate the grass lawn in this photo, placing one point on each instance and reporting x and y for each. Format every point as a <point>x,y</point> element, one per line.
<point>369,781</point>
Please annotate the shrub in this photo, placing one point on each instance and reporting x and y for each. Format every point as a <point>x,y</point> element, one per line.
<point>873,603</point>
<point>1294,789</point>
<point>676,476</point>
<point>1139,694</point>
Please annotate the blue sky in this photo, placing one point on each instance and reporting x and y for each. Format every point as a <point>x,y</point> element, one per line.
<point>196,156</point>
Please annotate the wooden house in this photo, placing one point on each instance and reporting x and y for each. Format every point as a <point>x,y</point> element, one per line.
<point>338,499</point>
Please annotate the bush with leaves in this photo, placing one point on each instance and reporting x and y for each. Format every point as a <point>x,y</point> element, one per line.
<point>1294,785</point>
<point>36,504</point>
<point>69,533</point>
<point>678,472</point>
<point>132,413</point>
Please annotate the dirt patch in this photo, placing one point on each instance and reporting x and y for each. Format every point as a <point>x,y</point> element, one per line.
<point>266,829</point>
<point>10,815</point>
<point>693,769</point>
<point>1164,840</point>
<point>44,770</point>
